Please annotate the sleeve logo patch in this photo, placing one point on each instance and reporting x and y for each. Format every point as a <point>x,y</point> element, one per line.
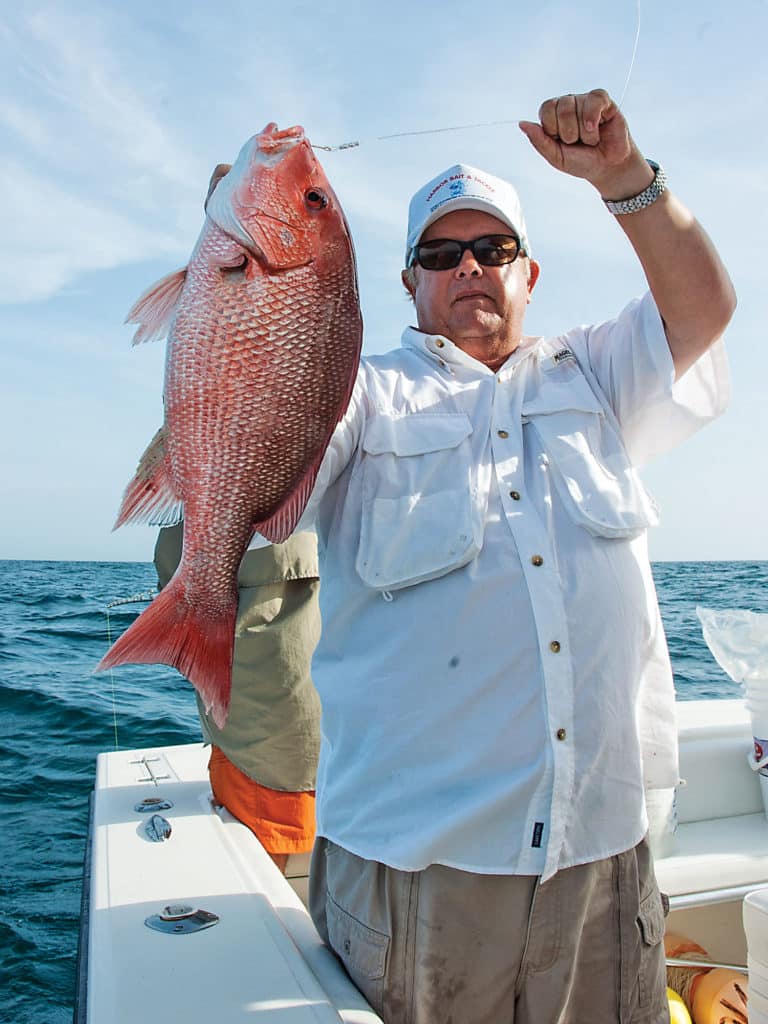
<point>562,355</point>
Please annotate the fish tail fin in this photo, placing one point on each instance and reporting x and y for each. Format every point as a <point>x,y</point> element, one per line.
<point>172,632</point>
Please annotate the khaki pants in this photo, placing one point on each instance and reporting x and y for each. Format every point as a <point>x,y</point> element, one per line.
<point>443,946</point>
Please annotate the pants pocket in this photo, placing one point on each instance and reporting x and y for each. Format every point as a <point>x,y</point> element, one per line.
<point>643,965</point>
<point>650,921</point>
<point>361,949</point>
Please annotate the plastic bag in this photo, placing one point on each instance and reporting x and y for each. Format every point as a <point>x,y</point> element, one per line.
<point>739,641</point>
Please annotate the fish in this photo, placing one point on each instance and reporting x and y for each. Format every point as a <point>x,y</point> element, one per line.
<point>264,337</point>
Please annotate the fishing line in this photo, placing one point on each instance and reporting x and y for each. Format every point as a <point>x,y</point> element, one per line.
<point>146,595</point>
<point>481,124</point>
<point>634,54</point>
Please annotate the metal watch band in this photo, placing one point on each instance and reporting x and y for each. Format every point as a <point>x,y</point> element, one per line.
<point>642,199</point>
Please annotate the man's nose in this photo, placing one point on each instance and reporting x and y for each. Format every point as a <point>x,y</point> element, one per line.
<point>468,265</point>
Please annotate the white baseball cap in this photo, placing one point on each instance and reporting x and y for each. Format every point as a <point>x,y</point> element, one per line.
<point>462,187</point>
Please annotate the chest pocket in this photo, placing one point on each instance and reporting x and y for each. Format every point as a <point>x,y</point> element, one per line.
<point>591,471</point>
<point>419,510</point>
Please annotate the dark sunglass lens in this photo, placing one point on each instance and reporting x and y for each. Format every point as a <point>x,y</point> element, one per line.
<point>495,250</point>
<point>439,255</point>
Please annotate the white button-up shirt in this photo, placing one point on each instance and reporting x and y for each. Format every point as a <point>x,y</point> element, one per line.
<point>493,673</point>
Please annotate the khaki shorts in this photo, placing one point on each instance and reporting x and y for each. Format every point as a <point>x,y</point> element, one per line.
<point>443,946</point>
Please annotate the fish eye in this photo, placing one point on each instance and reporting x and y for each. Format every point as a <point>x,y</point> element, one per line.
<point>315,199</point>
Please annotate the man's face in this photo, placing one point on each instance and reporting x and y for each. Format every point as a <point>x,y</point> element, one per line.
<point>480,309</point>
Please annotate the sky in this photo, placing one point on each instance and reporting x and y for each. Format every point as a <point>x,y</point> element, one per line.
<point>113,115</point>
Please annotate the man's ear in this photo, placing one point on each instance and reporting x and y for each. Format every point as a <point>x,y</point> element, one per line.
<point>533,276</point>
<point>408,277</point>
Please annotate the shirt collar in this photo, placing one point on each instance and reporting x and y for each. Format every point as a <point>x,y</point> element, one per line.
<point>441,350</point>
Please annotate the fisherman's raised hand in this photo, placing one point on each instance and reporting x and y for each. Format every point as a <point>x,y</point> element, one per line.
<point>586,135</point>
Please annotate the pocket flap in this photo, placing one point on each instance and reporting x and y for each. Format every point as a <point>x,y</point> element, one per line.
<point>651,918</point>
<point>415,434</point>
<point>362,948</point>
<point>558,396</point>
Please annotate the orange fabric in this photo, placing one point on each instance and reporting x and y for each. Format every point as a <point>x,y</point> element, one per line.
<point>282,822</point>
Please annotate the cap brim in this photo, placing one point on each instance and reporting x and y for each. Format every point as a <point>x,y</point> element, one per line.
<point>461,203</point>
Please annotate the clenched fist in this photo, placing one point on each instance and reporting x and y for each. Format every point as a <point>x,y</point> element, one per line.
<point>586,135</point>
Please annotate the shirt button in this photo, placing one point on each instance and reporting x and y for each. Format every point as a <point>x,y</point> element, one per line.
<point>514,495</point>
<point>555,647</point>
<point>502,433</point>
<point>537,560</point>
<point>440,343</point>
<point>560,734</point>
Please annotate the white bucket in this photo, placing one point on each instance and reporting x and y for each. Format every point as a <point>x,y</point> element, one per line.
<point>755,918</point>
<point>758,979</point>
<point>758,1005</point>
<point>758,754</point>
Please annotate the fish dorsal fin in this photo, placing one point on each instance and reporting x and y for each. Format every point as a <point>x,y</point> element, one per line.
<point>151,496</point>
<point>153,310</point>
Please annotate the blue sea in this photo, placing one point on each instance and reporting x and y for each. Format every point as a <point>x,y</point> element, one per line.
<point>57,715</point>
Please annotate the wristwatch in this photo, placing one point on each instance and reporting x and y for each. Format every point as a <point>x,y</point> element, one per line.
<point>642,199</point>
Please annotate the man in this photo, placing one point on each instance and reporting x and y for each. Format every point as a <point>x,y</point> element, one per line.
<point>494,680</point>
<point>263,762</point>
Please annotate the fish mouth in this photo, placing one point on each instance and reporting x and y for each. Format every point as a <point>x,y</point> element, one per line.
<point>269,236</point>
<point>274,141</point>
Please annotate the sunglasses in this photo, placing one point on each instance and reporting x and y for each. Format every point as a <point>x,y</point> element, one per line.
<point>447,253</point>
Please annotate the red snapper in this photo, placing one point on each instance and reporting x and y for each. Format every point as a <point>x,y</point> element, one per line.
<point>264,335</point>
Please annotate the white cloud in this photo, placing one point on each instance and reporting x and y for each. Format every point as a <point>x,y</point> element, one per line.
<point>95,179</point>
<point>50,236</point>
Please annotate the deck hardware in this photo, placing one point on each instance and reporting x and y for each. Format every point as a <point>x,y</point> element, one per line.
<point>175,911</point>
<point>146,763</point>
<point>153,803</point>
<point>157,828</point>
<point>181,919</point>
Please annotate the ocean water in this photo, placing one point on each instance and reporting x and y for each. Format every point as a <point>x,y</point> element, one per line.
<point>56,716</point>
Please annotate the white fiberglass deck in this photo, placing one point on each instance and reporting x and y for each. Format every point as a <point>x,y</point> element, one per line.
<point>721,845</point>
<point>263,958</point>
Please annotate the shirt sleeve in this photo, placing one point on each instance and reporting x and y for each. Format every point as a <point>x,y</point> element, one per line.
<point>631,361</point>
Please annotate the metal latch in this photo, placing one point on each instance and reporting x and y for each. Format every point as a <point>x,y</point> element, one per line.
<point>153,803</point>
<point>157,828</point>
<point>181,919</point>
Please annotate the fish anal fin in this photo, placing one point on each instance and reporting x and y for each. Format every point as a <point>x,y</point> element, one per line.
<point>151,496</point>
<point>281,524</point>
<point>154,309</point>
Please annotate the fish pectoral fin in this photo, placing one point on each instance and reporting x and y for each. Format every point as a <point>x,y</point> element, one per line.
<point>154,309</point>
<point>151,496</point>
